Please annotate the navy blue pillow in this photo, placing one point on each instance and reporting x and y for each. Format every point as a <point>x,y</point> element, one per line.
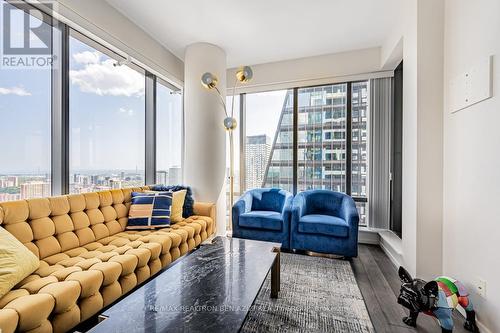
<point>187,209</point>
<point>150,210</point>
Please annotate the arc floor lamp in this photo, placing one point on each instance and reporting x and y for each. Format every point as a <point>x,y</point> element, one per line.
<point>209,81</point>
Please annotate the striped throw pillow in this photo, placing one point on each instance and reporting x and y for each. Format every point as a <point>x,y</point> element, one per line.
<point>149,210</point>
<point>178,199</point>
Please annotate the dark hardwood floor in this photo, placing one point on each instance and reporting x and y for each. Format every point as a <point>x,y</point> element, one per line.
<point>379,283</point>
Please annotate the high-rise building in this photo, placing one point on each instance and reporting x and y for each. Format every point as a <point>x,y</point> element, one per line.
<point>174,175</point>
<point>9,181</point>
<point>35,189</point>
<point>161,177</point>
<point>9,196</point>
<point>115,183</point>
<point>257,152</point>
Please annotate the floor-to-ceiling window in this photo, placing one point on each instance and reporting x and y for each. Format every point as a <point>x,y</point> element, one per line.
<point>25,113</point>
<point>107,120</point>
<point>74,112</point>
<point>169,131</point>
<point>268,139</point>
<point>327,147</point>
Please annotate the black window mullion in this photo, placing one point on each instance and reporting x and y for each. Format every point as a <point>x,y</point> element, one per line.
<point>295,144</point>
<point>60,111</point>
<point>348,155</point>
<point>150,141</point>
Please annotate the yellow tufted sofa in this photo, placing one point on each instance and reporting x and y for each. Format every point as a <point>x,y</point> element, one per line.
<point>87,259</point>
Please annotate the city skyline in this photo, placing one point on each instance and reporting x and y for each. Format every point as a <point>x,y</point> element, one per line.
<point>22,186</point>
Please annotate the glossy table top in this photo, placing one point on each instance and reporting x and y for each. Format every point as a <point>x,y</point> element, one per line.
<point>209,290</point>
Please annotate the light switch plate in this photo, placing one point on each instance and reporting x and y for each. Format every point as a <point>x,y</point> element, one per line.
<point>472,86</point>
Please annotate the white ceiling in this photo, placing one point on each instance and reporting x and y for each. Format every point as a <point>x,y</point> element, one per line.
<point>260,31</point>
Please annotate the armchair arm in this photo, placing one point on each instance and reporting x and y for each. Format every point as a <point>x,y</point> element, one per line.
<point>287,205</point>
<point>243,205</point>
<point>287,212</point>
<point>349,212</point>
<point>298,210</point>
<point>299,206</point>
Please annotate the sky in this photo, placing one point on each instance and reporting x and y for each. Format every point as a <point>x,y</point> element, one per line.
<point>263,111</point>
<point>25,105</point>
<point>107,117</point>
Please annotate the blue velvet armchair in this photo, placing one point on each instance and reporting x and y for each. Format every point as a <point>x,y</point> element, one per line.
<point>263,214</point>
<point>326,222</point>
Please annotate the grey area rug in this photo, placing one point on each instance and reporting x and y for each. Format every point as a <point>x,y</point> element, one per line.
<point>317,295</point>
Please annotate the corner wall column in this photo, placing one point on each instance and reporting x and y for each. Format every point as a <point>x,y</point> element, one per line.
<point>205,137</point>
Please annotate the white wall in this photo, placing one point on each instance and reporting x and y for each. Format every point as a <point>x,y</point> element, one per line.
<point>105,22</point>
<point>324,69</point>
<point>471,246</point>
<point>419,40</point>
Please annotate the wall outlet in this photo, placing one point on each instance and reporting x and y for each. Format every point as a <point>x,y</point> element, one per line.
<point>480,286</point>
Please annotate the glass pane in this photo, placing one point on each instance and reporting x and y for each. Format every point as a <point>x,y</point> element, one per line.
<point>359,173</point>
<point>359,138</point>
<point>168,136</point>
<point>107,121</point>
<point>25,129</point>
<point>363,212</point>
<point>268,144</point>
<point>322,137</point>
<point>236,161</point>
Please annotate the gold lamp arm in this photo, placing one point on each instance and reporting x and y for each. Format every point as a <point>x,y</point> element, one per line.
<point>222,100</point>
<point>232,102</point>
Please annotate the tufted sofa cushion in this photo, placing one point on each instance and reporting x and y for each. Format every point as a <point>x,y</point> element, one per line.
<point>87,258</point>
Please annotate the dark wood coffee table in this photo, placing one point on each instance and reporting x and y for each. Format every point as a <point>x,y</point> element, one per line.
<point>209,290</point>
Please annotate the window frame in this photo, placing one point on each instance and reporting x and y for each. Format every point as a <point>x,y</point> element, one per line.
<point>295,130</point>
<point>174,89</point>
<point>54,145</point>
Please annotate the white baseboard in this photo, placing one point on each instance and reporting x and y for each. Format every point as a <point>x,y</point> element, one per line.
<point>482,328</point>
<point>392,245</point>
<point>368,236</point>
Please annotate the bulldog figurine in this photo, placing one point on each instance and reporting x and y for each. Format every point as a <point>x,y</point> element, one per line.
<point>436,298</point>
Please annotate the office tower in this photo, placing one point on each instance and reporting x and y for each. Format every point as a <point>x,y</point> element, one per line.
<point>35,189</point>
<point>161,177</point>
<point>257,151</point>
<point>174,175</point>
<point>322,142</point>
